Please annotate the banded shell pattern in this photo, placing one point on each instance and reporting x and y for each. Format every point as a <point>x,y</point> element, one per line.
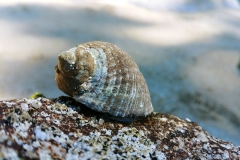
<point>105,79</point>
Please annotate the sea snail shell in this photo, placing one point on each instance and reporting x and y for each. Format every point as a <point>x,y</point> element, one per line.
<point>105,79</point>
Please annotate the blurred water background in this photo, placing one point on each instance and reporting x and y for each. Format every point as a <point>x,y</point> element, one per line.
<point>187,50</point>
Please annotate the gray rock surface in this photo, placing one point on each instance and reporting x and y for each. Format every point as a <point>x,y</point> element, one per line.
<point>50,129</point>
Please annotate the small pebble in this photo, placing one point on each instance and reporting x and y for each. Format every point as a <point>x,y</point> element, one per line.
<point>24,106</point>
<point>101,121</point>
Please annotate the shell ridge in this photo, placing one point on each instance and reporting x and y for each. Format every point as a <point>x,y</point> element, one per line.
<point>120,106</point>
<point>98,79</point>
<point>132,94</point>
<point>100,73</point>
<point>115,95</point>
<point>109,91</point>
<point>128,105</point>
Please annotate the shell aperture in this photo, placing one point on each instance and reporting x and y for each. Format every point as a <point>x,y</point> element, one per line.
<point>105,79</point>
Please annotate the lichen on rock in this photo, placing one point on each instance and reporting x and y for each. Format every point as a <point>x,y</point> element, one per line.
<point>62,128</point>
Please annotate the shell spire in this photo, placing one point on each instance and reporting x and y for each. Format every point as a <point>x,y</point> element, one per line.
<point>104,78</point>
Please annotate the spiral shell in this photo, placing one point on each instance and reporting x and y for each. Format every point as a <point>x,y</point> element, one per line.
<point>105,79</point>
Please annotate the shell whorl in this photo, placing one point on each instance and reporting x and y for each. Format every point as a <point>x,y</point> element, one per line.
<point>104,78</point>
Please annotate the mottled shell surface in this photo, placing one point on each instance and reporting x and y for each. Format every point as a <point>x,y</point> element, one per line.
<point>104,78</point>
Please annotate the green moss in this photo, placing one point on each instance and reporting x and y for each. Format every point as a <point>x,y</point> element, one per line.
<point>36,95</point>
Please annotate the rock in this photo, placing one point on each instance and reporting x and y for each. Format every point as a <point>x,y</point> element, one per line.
<point>62,128</point>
